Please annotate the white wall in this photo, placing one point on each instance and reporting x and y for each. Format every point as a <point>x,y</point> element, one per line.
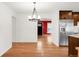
<point>46,15</point>
<point>5,28</point>
<point>49,27</point>
<point>55,28</point>
<point>26,31</point>
<point>13,28</point>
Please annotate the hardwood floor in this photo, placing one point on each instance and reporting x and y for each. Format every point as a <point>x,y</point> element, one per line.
<point>42,48</point>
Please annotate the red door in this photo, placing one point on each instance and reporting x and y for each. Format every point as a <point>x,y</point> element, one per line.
<point>44,27</point>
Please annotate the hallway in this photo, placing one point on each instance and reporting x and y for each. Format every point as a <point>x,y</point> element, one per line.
<point>40,49</point>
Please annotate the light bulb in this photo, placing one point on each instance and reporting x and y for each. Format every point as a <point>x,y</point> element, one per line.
<point>34,16</point>
<point>39,17</point>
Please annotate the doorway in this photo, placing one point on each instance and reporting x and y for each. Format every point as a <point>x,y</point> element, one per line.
<point>44,27</point>
<point>44,36</point>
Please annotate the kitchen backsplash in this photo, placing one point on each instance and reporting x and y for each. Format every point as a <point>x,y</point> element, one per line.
<point>68,26</point>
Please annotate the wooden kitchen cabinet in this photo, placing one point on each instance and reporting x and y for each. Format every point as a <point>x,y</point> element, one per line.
<point>65,14</point>
<point>69,15</point>
<point>75,16</point>
<point>72,44</point>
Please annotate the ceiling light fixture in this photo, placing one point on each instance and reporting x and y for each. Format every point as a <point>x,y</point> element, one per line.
<point>35,15</point>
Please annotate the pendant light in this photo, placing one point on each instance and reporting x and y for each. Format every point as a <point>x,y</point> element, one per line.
<point>34,16</point>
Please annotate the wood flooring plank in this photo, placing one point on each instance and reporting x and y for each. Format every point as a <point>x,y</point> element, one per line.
<point>42,48</point>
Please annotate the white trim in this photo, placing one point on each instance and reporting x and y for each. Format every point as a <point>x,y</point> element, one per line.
<point>5,50</point>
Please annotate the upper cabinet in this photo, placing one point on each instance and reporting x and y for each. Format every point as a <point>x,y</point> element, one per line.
<point>65,14</point>
<point>69,15</point>
<point>75,16</point>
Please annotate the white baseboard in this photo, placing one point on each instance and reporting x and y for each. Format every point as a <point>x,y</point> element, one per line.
<point>56,44</point>
<point>5,50</point>
<point>26,41</point>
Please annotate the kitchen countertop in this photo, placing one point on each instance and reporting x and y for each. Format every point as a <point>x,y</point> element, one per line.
<point>75,35</point>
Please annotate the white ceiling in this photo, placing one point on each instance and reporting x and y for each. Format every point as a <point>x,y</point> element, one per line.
<point>26,7</point>
<point>42,7</point>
